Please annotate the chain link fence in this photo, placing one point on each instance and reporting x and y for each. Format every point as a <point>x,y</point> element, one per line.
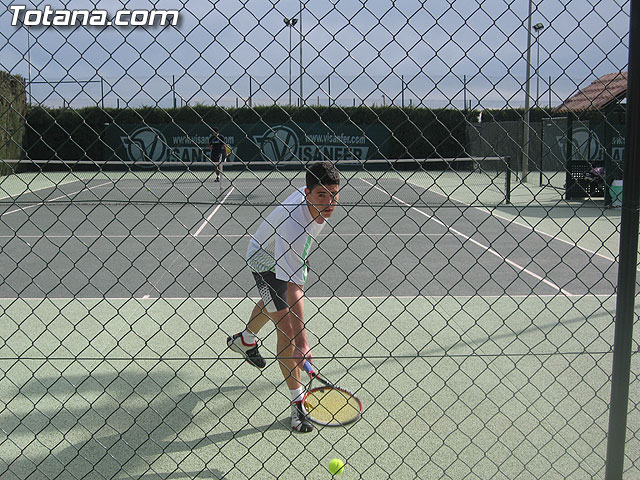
<point>464,288</point>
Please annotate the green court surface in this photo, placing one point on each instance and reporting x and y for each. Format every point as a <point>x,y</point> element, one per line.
<point>491,387</point>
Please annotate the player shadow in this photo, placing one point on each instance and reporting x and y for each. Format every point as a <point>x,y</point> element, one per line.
<point>189,475</point>
<point>223,438</point>
<point>462,347</point>
<point>522,334</point>
<point>127,441</point>
<point>479,343</point>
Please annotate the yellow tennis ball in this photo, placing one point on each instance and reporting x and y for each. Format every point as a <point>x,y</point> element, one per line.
<point>336,466</point>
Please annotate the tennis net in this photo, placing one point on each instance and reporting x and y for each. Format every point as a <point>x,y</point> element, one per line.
<point>404,182</point>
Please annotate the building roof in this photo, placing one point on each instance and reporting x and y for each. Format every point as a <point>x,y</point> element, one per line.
<point>597,96</point>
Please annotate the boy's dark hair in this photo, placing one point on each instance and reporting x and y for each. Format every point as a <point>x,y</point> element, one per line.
<point>216,129</point>
<point>322,173</point>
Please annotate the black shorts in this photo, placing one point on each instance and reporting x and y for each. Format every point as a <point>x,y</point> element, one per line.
<point>217,157</point>
<point>272,291</point>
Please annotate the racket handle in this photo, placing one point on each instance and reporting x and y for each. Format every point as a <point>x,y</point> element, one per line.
<point>309,368</point>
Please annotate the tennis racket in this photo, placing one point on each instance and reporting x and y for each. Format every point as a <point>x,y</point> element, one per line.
<point>328,404</point>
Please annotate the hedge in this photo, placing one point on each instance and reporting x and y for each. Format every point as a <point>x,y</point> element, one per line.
<point>75,134</point>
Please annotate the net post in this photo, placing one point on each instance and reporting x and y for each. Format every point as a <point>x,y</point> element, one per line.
<point>569,180</point>
<point>507,181</point>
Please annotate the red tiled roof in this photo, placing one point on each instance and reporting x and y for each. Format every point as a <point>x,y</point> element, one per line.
<point>598,95</point>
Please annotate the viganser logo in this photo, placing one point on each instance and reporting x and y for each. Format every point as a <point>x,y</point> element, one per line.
<point>586,144</point>
<point>146,144</point>
<point>278,144</point>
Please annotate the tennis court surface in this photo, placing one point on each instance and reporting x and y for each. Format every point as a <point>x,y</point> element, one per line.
<point>476,332</point>
<point>475,288</point>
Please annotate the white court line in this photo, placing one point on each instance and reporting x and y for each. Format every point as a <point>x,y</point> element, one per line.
<point>475,242</point>
<point>95,236</point>
<point>21,209</point>
<point>206,222</point>
<point>168,268</point>
<point>228,235</point>
<point>54,186</point>
<point>522,296</point>
<point>523,225</point>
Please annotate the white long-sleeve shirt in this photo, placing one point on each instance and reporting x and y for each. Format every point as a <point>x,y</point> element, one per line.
<point>283,240</point>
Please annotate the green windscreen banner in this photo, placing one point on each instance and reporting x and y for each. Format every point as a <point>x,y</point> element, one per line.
<point>249,143</point>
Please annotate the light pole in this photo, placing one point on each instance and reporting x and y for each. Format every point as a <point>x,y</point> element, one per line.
<point>538,27</point>
<point>301,69</point>
<point>29,59</point>
<point>525,134</point>
<point>290,22</point>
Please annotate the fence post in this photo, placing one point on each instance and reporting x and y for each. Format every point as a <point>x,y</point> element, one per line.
<point>627,263</point>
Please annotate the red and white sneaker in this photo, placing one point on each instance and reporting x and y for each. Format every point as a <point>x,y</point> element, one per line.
<point>249,352</point>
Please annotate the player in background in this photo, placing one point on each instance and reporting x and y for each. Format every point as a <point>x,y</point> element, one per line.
<point>218,150</point>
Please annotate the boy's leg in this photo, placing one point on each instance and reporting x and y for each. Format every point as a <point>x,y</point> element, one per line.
<point>240,343</point>
<point>285,346</point>
<point>290,368</point>
<point>215,159</point>
<point>259,318</point>
<point>286,350</point>
<point>274,293</point>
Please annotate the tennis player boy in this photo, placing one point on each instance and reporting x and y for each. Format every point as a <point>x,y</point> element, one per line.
<point>218,150</point>
<point>277,257</point>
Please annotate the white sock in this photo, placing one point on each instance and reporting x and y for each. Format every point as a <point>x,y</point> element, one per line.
<point>249,337</point>
<point>297,394</point>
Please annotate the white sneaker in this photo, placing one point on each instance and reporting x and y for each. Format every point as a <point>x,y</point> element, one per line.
<point>299,420</point>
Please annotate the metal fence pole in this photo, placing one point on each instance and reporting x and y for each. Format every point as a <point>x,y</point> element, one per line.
<point>527,105</point>
<point>627,263</point>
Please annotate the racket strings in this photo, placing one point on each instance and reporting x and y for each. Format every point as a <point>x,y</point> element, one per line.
<point>331,406</point>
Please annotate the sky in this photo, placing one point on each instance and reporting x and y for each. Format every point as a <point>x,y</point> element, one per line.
<point>432,53</point>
